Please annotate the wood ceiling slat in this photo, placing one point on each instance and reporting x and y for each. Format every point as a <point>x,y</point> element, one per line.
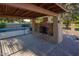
<point>7,10</point>
<point>55,9</point>
<point>34,8</point>
<point>1,9</point>
<point>60,6</point>
<point>26,13</point>
<point>13,11</point>
<point>38,15</point>
<point>22,13</point>
<point>31,14</point>
<point>46,6</point>
<point>51,7</point>
<point>16,13</point>
<point>41,5</point>
<point>10,10</point>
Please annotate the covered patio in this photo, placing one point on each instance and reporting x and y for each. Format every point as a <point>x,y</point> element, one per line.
<point>29,45</point>
<point>32,11</point>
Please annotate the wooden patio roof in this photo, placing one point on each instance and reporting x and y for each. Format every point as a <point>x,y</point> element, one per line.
<point>30,10</point>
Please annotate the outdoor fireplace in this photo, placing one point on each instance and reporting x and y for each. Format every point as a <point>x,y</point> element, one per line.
<point>43,29</point>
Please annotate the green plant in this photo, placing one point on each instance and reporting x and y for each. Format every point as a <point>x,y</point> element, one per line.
<point>2,25</point>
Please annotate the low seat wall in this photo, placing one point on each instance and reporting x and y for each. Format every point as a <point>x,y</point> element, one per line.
<point>13,33</point>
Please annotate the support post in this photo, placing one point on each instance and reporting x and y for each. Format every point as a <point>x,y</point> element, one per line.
<point>57,30</point>
<point>33,25</point>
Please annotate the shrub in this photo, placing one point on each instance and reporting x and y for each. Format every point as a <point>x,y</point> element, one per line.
<point>2,25</point>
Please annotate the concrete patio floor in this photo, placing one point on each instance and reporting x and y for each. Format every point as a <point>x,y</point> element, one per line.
<point>29,45</point>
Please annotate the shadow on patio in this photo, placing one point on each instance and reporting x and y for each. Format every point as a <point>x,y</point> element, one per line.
<point>29,45</point>
<point>24,45</point>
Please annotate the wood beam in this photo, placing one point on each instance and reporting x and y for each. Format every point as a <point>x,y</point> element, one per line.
<point>61,7</point>
<point>42,5</point>
<point>51,7</point>
<point>16,11</point>
<point>30,14</point>
<point>34,8</point>
<point>25,13</point>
